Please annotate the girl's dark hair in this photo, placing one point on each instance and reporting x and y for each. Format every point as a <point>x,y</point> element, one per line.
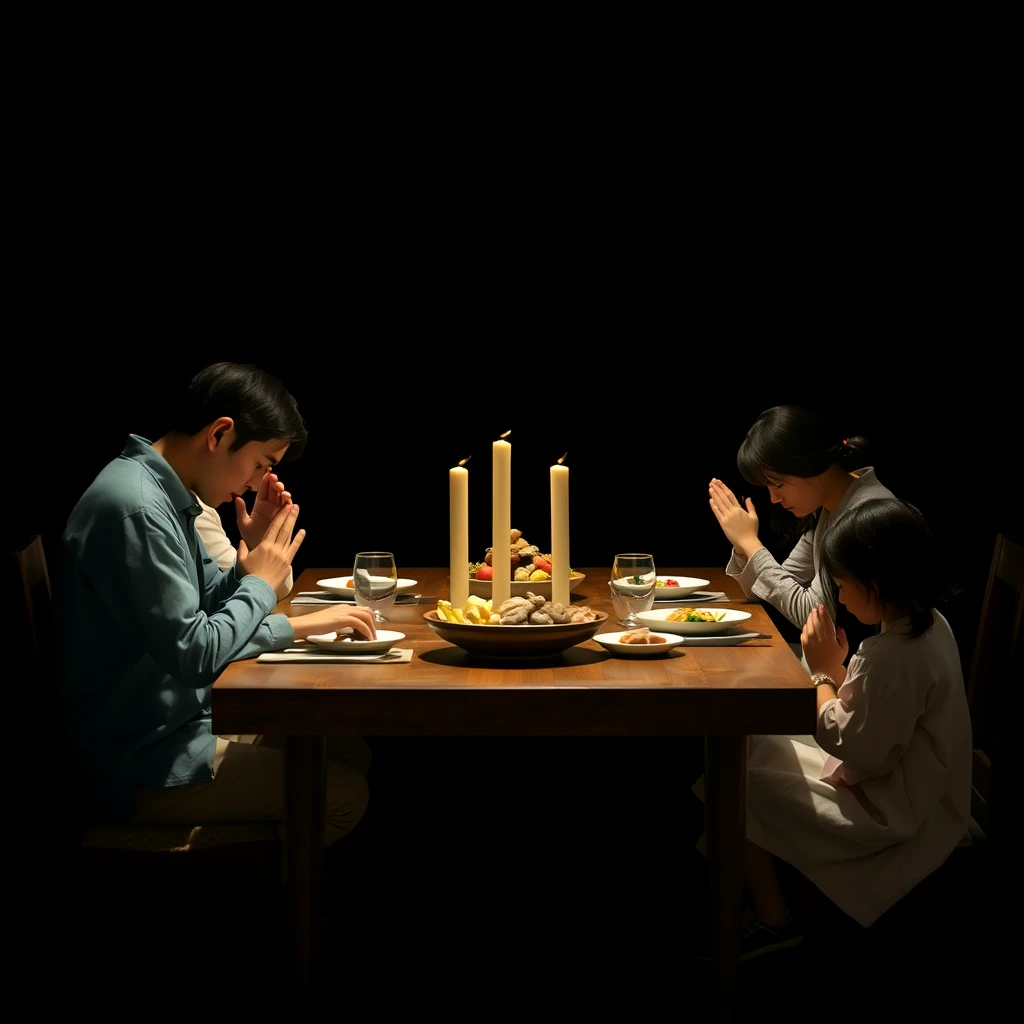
<point>789,440</point>
<point>261,406</point>
<point>888,544</point>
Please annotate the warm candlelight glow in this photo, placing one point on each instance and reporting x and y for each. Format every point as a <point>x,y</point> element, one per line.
<point>458,537</point>
<point>501,521</point>
<point>560,533</point>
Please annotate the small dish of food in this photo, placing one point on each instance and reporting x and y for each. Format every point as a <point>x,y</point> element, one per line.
<point>638,643</point>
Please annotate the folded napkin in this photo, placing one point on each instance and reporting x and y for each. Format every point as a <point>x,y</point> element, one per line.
<point>396,656</point>
<point>697,597</point>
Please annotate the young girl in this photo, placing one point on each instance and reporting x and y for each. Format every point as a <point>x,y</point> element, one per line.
<point>879,797</point>
<point>814,475</point>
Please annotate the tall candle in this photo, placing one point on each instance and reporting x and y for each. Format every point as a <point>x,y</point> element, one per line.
<point>458,534</point>
<point>560,533</point>
<point>501,522</point>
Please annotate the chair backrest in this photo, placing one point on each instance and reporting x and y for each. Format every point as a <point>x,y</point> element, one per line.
<point>58,813</point>
<point>63,828</point>
<point>995,668</point>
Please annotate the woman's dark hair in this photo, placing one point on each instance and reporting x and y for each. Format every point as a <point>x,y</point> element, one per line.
<point>789,440</point>
<point>261,406</point>
<point>888,545</point>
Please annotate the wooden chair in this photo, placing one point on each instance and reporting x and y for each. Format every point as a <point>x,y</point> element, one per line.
<point>78,849</point>
<point>995,669</point>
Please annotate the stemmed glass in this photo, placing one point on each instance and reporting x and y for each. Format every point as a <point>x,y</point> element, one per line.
<point>375,581</point>
<point>633,581</point>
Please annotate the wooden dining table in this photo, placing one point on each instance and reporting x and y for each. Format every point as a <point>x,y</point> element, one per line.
<point>723,693</point>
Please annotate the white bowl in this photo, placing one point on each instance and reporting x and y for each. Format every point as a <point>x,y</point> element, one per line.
<point>727,620</point>
<point>687,585</point>
<point>520,588</point>
<point>345,644</point>
<point>612,643</point>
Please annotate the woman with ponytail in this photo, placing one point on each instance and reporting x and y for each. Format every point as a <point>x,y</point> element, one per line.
<point>814,474</point>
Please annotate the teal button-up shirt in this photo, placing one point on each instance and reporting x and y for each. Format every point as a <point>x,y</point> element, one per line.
<point>147,622</point>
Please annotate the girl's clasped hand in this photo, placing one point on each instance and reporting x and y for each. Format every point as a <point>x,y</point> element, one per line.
<point>825,647</point>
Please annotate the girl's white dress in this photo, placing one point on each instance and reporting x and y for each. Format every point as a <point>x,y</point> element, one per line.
<point>879,797</point>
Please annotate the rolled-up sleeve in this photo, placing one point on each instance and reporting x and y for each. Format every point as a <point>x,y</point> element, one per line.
<point>792,587</point>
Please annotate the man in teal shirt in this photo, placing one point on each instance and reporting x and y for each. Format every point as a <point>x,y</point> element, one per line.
<point>149,620</point>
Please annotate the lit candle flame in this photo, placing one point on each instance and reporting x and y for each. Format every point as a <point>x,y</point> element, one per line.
<point>562,459</point>
<point>503,436</point>
<point>462,462</point>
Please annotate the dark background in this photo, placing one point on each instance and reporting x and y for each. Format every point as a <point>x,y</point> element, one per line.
<point>634,310</point>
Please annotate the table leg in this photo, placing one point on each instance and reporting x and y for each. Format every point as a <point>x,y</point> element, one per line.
<point>305,805</point>
<point>725,801</point>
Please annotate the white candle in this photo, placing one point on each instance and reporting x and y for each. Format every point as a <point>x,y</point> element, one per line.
<point>560,534</point>
<point>501,522</point>
<point>458,535</point>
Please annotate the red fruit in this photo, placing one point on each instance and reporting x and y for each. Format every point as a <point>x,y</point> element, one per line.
<point>484,572</point>
<point>514,562</point>
<point>540,562</point>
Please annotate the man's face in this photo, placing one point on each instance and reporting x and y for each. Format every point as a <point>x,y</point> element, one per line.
<point>235,472</point>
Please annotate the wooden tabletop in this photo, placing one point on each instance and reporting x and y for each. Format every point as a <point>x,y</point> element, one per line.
<point>756,687</point>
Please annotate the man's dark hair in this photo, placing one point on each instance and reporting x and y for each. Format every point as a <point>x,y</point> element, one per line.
<point>261,406</point>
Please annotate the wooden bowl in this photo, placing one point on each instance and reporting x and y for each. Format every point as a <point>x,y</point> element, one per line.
<point>515,641</point>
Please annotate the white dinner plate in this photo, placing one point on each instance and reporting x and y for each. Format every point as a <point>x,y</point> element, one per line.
<point>727,619</point>
<point>687,585</point>
<point>722,640</point>
<point>612,643</point>
<point>386,639</point>
<point>340,586</point>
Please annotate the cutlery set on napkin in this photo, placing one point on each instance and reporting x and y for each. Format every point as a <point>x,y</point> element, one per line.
<point>313,598</point>
<point>395,656</point>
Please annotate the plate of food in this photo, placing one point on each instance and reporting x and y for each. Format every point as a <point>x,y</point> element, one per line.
<point>520,641</point>
<point>693,621</point>
<point>520,588</point>
<point>343,586</point>
<point>352,644</point>
<point>638,643</point>
<point>671,588</point>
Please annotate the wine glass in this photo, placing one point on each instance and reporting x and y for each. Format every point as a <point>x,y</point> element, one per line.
<point>375,581</point>
<point>633,581</point>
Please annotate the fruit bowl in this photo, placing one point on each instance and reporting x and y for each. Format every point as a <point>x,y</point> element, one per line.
<point>520,588</point>
<point>515,641</point>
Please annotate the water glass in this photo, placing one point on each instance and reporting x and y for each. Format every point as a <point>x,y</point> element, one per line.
<point>375,581</point>
<point>633,582</point>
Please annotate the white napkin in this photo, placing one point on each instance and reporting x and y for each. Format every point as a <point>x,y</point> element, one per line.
<point>396,656</point>
<point>698,597</point>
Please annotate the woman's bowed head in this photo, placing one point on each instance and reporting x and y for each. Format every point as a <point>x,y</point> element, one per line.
<point>797,455</point>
